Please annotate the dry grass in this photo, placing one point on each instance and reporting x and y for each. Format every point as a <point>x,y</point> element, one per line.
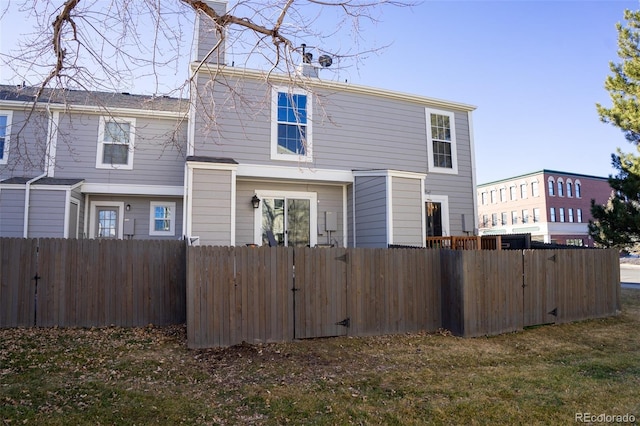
<point>148,376</point>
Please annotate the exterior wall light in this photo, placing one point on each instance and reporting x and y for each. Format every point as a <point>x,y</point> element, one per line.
<point>255,201</point>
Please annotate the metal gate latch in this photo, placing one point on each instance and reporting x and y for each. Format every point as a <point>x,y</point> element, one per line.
<point>345,322</point>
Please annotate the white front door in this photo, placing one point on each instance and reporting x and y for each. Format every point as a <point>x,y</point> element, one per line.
<point>106,220</point>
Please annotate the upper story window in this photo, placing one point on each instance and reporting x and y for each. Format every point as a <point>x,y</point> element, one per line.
<point>560,188</point>
<point>483,198</point>
<point>551,186</point>
<point>162,218</point>
<point>494,219</point>
<point>512,193</point>
<point>570,212</point>
<point>523,190</point>
<point>5,132</point>
<point>578,189</point>
<point>503,195</point>
<point>579,214</point>
<point>536,215</point>
<point>552,214</point>
<point>503,218</point>
<point>569,189</point>
<point>441,141</point>
<point>534,188</point>
<point>115,143</point>
<point>514,217</point>
<point>291,125</point>
<point>525,216</point>
<point>561,213</point>
<point>493,196</point>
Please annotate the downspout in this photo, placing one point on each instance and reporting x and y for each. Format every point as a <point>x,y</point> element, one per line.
<point>27,188</point>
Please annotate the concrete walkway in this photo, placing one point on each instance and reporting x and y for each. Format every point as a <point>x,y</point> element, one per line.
<point>630,276</point>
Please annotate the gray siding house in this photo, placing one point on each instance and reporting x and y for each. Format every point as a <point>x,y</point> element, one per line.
<point>90,164</point>
<point>288,160</point>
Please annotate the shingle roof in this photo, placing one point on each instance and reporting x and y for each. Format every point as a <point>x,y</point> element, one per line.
<point>21,180</point>
<point>91,98</point>
<point>205,159</point>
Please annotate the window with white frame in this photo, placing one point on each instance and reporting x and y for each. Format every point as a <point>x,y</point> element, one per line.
<point>441,141</point>
<point>578,189</point>
<point>579,215</point>
<point>525,216</point>
<point>5,135</point>
<point>162,219</point>
<point>503,218</point>
<point>552,214</point>
<point>115,143</point>
<point>551,187</point>
<point>536,215</point>
<point>503,195</point>
<point>494,219</point>
<point>570,212</point>
<point>569,189</point>
<point>485,220</point>
<point>514,217</point>
<point>523,191</point>
<point>512,193</point>
<point>561,214</point>
<point>534,188</point>
<point>483,198</point>
<point>291,111</point>
<point>493,196</point>
<point>560,188</point>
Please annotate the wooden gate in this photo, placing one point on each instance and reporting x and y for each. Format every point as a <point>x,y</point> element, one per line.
<point>540,280</point>
<point>320,292</point>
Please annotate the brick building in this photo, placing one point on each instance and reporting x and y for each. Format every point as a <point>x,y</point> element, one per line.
<point>552,206</point>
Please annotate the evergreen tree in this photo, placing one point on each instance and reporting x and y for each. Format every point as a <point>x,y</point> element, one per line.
<point>617,224</point>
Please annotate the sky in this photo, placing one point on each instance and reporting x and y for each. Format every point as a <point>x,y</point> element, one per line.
<point>534,70</point>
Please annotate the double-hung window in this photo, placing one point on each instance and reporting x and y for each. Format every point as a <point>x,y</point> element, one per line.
<point>291,125</point>
<point>115,143</point>
<point>441,141</point>
<point>162,219</point>
<point>5,133</point>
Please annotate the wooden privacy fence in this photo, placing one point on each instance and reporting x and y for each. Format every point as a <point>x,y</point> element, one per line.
<point>237,294</point>
<point>83,283</point>
<point>267,294</point>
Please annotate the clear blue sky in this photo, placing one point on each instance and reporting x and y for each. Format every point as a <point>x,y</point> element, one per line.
<point>534,69</point>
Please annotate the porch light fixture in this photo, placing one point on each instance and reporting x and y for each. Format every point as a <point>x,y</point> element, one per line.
<point>255,201</point>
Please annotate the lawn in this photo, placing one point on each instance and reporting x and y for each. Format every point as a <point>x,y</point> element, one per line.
<point>543,375</point>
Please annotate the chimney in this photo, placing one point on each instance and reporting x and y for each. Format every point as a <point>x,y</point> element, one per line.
<point>207,37</point>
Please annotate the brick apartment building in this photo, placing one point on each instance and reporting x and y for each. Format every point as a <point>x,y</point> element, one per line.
<point>552,206</point>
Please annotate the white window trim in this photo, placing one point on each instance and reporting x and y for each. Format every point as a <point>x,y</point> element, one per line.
<point>92,216</point>
<point>100,152</point>
<point>172,218</point>
<point>523,186</point>
<point>7,138</point>
<point>444,202</point>
<point>536,181</point>
<point>454,149</point>
<point>577,183</point>
<point>553,185</point>
<point>560,187</point>
<point>313,212</point>
<point>275,155</point>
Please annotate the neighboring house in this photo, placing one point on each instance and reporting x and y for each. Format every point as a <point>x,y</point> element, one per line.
<point>288,160</point>
<point>552,206</point>
<point>91,164</point>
